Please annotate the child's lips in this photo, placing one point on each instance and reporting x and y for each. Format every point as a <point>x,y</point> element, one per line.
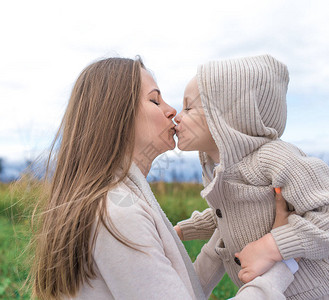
<point>176,130</point>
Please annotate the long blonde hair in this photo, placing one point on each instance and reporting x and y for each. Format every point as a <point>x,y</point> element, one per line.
<point>94,141</point>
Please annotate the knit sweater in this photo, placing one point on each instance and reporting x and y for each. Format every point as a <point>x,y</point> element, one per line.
<point>163,270</point>
<point>245,106</point>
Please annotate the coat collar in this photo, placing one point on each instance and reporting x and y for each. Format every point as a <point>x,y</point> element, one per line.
<point>143,188</point>
<point>144,191</point>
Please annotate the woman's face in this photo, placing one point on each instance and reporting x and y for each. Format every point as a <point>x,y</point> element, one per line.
<point>154,126</point>
<point>192,128</point>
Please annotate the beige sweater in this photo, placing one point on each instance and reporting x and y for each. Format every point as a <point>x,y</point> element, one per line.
<point>164,271</point>
<point>244,102</point>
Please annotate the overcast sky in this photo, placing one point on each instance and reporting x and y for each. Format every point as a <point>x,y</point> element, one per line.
<point>45,45</point>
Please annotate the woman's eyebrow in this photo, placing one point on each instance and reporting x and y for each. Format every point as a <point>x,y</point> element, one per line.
<point>155,90</point>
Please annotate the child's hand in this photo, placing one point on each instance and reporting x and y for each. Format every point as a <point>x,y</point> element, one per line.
<point>179,232</point>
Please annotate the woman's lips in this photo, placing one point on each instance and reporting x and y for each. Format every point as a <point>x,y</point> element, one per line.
<point>172,129</point>
<point>171,132</point>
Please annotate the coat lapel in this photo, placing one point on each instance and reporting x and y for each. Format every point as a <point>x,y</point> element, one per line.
<point>144,191</point>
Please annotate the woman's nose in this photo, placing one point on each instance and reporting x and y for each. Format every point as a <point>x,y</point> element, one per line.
<point>170,112</point>
<point>177,118</point>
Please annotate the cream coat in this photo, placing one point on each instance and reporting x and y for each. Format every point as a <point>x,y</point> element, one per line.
<point>165,271</point>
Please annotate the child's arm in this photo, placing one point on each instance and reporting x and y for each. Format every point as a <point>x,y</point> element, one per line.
<point>200,226</point>
<point>305,185</point>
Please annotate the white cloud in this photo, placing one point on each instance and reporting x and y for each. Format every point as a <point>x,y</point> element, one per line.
<point>46,45</point>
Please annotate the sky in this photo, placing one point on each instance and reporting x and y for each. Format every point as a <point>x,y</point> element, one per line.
<point>46,44</point>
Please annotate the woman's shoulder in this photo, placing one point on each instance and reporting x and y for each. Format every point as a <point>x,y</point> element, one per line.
<point>129,210</point>
<point>126,205</point>
<point>123,195</point>
<point>131,216</point>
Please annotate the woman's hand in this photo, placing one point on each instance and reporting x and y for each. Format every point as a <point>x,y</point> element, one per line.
<point>281,210</point>
<point>179,231</point>
<point>259,256</point>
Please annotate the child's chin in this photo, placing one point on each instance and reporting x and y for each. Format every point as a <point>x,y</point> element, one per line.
<point>184,147</point>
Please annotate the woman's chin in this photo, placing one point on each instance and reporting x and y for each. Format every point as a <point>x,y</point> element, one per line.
<point>169,144</point>
<point>172,147</point>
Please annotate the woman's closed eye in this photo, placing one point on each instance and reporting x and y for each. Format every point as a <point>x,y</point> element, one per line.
<point>187,108</point>
<point>155,102</point>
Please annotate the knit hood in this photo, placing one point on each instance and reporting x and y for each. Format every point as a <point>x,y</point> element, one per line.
<point>245,105</point>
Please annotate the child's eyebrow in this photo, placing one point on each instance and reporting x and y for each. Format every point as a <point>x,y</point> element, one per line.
<point>188,101</point>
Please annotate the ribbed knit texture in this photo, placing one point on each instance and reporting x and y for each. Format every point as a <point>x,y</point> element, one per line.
<point>244,102</point>
<point>200,224</point>
<point>245,106</point>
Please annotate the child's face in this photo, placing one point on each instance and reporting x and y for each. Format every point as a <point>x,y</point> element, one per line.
<point>192,128</point>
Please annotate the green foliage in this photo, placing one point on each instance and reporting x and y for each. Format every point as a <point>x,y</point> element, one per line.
<point>18,199</point>
<point>226,288</point>
<point>178,201</point>
<point>13,272</point>
<point>1,165</point>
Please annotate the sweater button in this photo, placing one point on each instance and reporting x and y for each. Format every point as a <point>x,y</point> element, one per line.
<point>218,213</point>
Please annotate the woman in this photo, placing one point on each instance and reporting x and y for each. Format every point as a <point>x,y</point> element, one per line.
<point>102,233</point>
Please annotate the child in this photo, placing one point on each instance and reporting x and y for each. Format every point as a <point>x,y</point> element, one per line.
<point>234,114</point>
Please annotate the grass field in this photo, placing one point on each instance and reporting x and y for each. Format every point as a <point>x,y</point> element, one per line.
<point>178,200</point>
